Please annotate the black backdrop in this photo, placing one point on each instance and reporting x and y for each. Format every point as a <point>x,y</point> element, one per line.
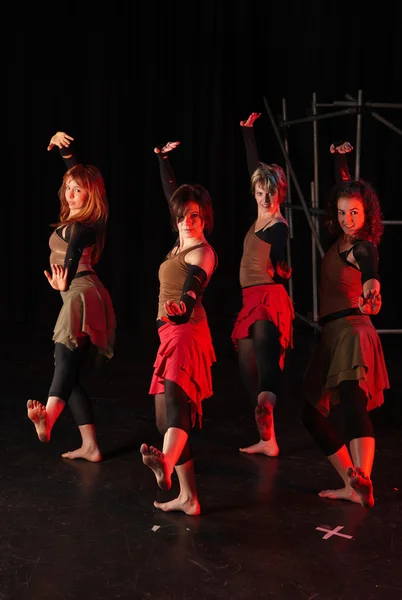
<point>158,74</point>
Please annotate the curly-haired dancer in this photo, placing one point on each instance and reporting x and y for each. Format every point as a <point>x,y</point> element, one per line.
<point>348,366</point>
<point>263,328</point>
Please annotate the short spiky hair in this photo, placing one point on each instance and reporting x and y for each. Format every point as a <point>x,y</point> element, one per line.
<point>191,193</point>
<point>373,228</point>
<point>271,176</point>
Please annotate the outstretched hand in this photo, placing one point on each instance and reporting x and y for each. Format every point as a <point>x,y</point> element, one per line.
<point>58,278</point>
<point>250,120</point>
<point>166,148</point>
<point>173,310</point>
<point>370,304</point>
<point>60,139</point>
<point>341,149</point>
<point>283,270</point>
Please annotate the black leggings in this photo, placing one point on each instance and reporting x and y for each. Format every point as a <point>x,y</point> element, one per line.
<point>173,410</point>
<point>357,421</point>
<point>65,383</point>
<point>259,360</point>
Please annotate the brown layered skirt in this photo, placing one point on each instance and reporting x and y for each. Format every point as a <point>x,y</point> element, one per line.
<point>266,303</point>
<point>87,310</point>
<point>349,349</point>
<point>185,356</point>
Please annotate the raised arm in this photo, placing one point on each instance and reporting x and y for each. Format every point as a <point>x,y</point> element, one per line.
<point>340,150</point>
<point>168,178</point>
<point>250,142</point>
<point>63,142</point>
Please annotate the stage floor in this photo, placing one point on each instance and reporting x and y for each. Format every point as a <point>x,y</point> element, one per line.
<point>72,530</point>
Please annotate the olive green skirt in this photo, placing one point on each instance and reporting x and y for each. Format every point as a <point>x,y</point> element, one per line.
<point>349,349</point>
<point>87,311</point>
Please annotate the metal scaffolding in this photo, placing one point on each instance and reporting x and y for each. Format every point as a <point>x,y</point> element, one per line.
<point>354,106</point>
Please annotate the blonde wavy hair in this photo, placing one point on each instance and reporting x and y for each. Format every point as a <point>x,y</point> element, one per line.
<point>271,176</point>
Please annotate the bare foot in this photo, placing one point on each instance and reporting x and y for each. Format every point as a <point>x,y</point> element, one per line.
<point>190,506</point>
<point>91,453</point>
<point>362,485</point>
<point>155,460</point>
<point>269,448</point>
<point>346,493</point>
<point>37,414</point>
<point>359,489</point>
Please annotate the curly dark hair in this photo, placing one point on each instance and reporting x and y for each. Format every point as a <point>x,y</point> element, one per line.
<point>373,227</point>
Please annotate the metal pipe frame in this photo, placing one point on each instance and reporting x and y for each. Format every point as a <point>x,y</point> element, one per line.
<point>295,181</point>
<point>288,212</point>
<point>355,106</point>
<point>379,117</point>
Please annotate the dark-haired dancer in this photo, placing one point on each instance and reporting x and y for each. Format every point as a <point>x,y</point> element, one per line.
<point>264,326</point>
<point>87,315</point>
<point>348,366</point>
<point>182,369</point>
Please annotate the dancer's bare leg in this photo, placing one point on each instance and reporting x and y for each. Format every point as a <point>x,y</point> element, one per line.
<point>162,463</point>
<point>358,486</point>
<point>44,417</point>
<point>89,449</point>
<point>362,451</point>
<point>187,500</point>
<point>341,461</point>
<point>264,417</point>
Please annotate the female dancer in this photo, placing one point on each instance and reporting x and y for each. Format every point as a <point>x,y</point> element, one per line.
<point>263,328</point>
<point>347,366</point>
<point>182,369</point>
<point>87,316</point>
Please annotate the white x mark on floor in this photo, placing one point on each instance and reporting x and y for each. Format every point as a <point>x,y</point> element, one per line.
<point>331,532</point>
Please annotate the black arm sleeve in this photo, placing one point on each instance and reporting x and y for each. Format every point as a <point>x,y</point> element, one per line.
<point>168,178</point>
<point>366,255</point>
<point>277,236</point>
<point>194,281</point>
<point>251,149</point>
<point>78,236</point>
<point>68,156</point>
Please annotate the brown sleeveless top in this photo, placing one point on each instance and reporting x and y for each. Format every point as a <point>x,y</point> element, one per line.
<point>172,275</point>
<point>255,261</point>
<point>340,285</point>
<point>58,249</point>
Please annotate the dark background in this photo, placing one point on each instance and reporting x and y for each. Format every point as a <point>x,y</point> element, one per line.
<point>191,72</point>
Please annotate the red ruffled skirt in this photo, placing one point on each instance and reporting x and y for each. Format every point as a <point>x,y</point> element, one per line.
<point>185,356</point>
<point>266,303</point>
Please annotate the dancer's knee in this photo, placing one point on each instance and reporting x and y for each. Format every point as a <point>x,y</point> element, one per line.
<point>178,407</point>
<point>354,403</point>
<point>321,430</point>
<point>267,400</point>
